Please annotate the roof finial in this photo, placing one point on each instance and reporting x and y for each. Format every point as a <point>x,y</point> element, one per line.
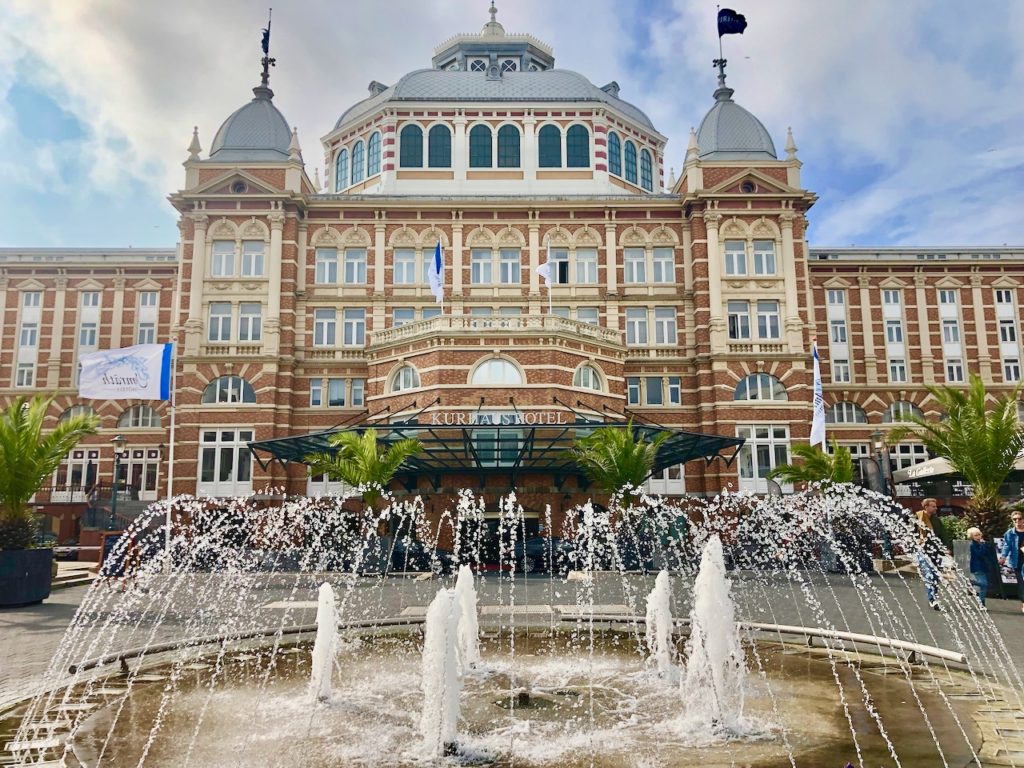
<point>294,150</point>
<point>692,149</point>
<point>194,148</point>
<point>671,178</point>
<point>263,90</point>
<point>316,179</point>
<point>494,12</point>
<point>790,145</point>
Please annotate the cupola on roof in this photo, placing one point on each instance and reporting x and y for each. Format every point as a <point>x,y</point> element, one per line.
<point>729,132</point>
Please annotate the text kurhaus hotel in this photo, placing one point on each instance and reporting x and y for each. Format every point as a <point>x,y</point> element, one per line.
<point>688,303</point>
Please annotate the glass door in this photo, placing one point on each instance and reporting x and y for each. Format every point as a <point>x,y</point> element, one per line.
<point>225,462</point>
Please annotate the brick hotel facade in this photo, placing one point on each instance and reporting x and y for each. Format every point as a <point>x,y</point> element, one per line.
<point>689,303</point>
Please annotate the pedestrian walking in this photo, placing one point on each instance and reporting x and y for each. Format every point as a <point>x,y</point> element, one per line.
<point>983,562</point>
<point>930,550</point>
<point>1013,551</point>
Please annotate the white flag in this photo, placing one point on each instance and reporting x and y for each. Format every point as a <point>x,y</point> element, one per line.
<point>544,270</point>
<point>142,372</point>
<point>435,274</point>
<point>818,421</point>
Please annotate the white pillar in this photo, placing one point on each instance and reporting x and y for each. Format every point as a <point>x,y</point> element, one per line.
<point>870,360</point>
<point>272,325</point>
<point>534,246</point>
<point>716,325</point>
<point>457,254</point>
<point>924,329</point>
<point>57,334</point>
<point>610,261</point>
<point>117,326</point>
<point>793,322</point>
<point>194,324</point>
<point>984,357</point>
<point>460,153</point>
<point>529,158</point>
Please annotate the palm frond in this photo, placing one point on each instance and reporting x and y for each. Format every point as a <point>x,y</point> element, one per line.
<point>818,466</point>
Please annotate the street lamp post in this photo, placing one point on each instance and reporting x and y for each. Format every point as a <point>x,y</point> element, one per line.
<point>878,440</point>
<point>119,443</point>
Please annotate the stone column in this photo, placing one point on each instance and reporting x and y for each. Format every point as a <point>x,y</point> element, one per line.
<point>57,333</point>
<point>194,324</point>
<point>793,322</point>
<point>924,329</point>
<point>716,325</point>
<point>272,324</point>
<point>529,158</point>
<point>460,152</point>
<point>378,253</point>
<point>4,284</point>
<point>457,254</point>
<point>301,257</point>
<point>533,243</point>
<point>984,356</point>
<point>610,260</point>
<point>870,360</point>
<point>116,327</point>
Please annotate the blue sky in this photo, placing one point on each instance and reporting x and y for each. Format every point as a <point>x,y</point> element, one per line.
<point>907,115</point>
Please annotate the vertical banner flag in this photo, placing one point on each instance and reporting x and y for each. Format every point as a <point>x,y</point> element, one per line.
<point>142,372</point>
<point>730,22</point>
<point>435,275</point>
<point>818,421</point>
<point>544,270</point>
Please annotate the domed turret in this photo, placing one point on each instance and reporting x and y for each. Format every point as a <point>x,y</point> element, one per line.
<point>729,132</point>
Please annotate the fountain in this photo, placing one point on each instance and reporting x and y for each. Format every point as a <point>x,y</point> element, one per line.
<point>213,654</point>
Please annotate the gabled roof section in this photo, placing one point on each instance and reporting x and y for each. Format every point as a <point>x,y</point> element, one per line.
<point>764,185</point>
<point>221,185</point>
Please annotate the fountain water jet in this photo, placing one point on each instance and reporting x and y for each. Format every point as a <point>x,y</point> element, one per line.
<point>325,645</point>
<point>442,680</point>
<point>465,596</point>
<point>659,629</point>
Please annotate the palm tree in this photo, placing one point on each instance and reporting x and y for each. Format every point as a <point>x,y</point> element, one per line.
<point>613,458</point>
<point>818,465</point>
<point>979,442</point>
<point>28,457</point>
<point>361,461</point>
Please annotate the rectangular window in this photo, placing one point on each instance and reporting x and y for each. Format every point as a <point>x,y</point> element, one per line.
<point>739,320</point>
<point>837,331</point>
<point>589,315</point>
<point>664,325</point>
<point>355,327</point>
<point>355,266</point>
<point>481,311</point>
<point>29,336</point>
<point>561,311</point>
<point>735,257</point>
<point>250,322</point>
<point>326,266</point>
<point>675,390</point>
<point>766,447</point>
<point>951,332</point>
<point>947,296</point>
<point>429,312</point>
<point>402,315</point>
<point>405,266</point>
<point>1004,296</point>
<point>335,393</point>
<point>87,335</point>
<point>316,393</point>
<point>324,327</point>
<point>222,262</point>
<point>636,325</point>
<point>664,265</point>
<point>1011,370</point>
<point>586,266</point>
<point>635,266</point>
<point>764,257</point>
<point>891,297</point>
<point>768,319</point>
<point>220,321</point>
<point>147,333</point>
<point>1007,331</point>
<point>91,299</point>
<point>149,298</point>
<point>893,332</point>
<point>836,297</point>
<point>840,371</point>
<point>633,390</point>
<point>253,258</point>
<point>559,259</point>
<point>31,299</point>
<point>510,266</point>
<point>480,267</point>
<point>897,371</point>
<point>358,390</point>
<point>652,390</point>
<point>954,370</point>
<point>25,375</point>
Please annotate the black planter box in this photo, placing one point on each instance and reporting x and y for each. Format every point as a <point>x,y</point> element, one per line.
<point>25,576</point>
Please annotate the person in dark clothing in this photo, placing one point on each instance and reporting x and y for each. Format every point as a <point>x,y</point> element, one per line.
<point>1013,551</point>
<point>983,562</point>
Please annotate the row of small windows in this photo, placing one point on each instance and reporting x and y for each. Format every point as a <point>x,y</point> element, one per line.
<point>496,372</point>
<point>136,417</point>
<point>362,163</point>
<point>623,162</point>
<point>483,153</point>
<point>845,412</point>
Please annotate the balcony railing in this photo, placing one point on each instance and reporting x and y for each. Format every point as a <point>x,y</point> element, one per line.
<point>232,350</point>
<point>494,323</point>
<point>757,348</point>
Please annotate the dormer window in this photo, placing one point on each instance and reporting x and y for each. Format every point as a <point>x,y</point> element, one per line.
<point>509,65</point>
<point>478,65</point>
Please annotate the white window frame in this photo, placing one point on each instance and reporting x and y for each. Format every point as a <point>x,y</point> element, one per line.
<point>250,322</point>
<point>326,266</point>
<point>636,326</point>
<point>897,371</point>
<point>1007,331</point>
<point>736,258</point>
<point>837,331</point>
<point>634,266</point>
<point>950,332</point>
<point>354,327</point>
<point>664,266</point>
<point>510,266</point>
<point>404,266</point>
<point>954,370</point>
<point>894,331</point>
<point>840,371</point>
<point>222,258</point>
<point>665,325</point>
<point>325,327</point>
<point>25,375</point>
<point>1011,370</point>
<point>766,447</point>
<point>481,266</point>
<point>836,297</point>
<point>738,320</point>
<point>764,257</point>
<point>146,333</point>
<point>769,320</point>
<point>586,266</point>
<point>254,258</point>
<point>355,266</point>
<point>219,322</point>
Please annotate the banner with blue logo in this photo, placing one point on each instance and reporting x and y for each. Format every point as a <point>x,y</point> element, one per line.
<point>142,372</point>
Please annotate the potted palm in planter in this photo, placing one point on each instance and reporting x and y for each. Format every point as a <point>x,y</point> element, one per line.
<point>28,456</point>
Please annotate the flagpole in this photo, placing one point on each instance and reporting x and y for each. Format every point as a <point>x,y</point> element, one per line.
<point>170,455</point>
<point>548,281</point>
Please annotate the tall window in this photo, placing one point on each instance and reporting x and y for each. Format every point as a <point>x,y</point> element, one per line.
<point>508,147</point>
<point>25,375</point>
<point>577,147</point>
<point>1007,331</point>
<point>250,321</point>
<point>947,296</point>
<point>766,447</point>
<point>228,389</point>
<point>29,336</point>
<point>646,171</point>
<point>510,266</point>
<point>549,147</point>
<point>253,258</point>
<point>840,371</point>
<point>1004,296</point>
<point>357,162</point>
<point>837,331</point>
<point>760,386</point>
<point>764,257</point>
<point>891,296</point>
<point>586,266</point>
<point>739,320</point>
<point>355,327</point>
<point>634,266</point>
<point>341,170</point>
<point>355,266</point>
<point>480,147</point>
<point>897,370</point>
<point>664,265</point>
<point>373,155</point>
<point>632,390</point>
<point>664,325</point>
<point>146,333</point>
<point>636,325</point>
<point>31,299</point>
<point>480,266</point>
<point>222,263</point>
<point>893,332</point>
<point>630,154</point>
<point>735,257</point>
<point>951,332</point>
<point>954,370</point>
<point>836,298</point>
<point>325,324</point>
<point>405,266</point>
<point>220,321</point>
<point>440,147</point>
<point>149,298</point>
<point>614,154</point>
<point>1011,369</point>
<point>326,266</point>
<point>410,151</point>
<point>559,258</point>
<point>768,319</point>
<point>91,299</point>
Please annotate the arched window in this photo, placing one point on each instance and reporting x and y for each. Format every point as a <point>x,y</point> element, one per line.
<point>139,417</point>
<point>373,155</point>
<point>508,147</point>
<point>496,372</point>
<point>587,377</point>
<point>646,171</point>
<point>899,411</point>
<point>357,162</point>
<point>845,412</point>
<point>549,147</point>
<point>614,154</point>
<point>77,410</point>
<point>405,377</point>
<point>341,170</point>
<point>410,152</point>
<point>440,151</point>
<point>229,389</point>
<point>480,147</point>
<point>577,147</point>
<point>760,386</point>
<point>631,162</point>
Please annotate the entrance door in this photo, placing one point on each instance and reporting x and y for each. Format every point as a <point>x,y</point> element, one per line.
<point>75,476</point>
<point>143,473</point>
<point>225,462</point>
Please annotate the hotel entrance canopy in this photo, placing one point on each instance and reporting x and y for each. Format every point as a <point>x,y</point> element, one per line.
<point>500,446</point>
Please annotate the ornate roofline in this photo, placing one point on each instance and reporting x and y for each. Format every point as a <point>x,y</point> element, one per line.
<point>516,38</point>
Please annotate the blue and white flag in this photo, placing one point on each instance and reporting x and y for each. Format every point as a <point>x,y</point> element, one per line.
<point>142,372</point>
<point>435,274</point>
<point>818,420</point>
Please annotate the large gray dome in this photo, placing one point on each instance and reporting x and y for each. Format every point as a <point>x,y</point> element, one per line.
<point>729,132</point>
<point>255,132</point>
